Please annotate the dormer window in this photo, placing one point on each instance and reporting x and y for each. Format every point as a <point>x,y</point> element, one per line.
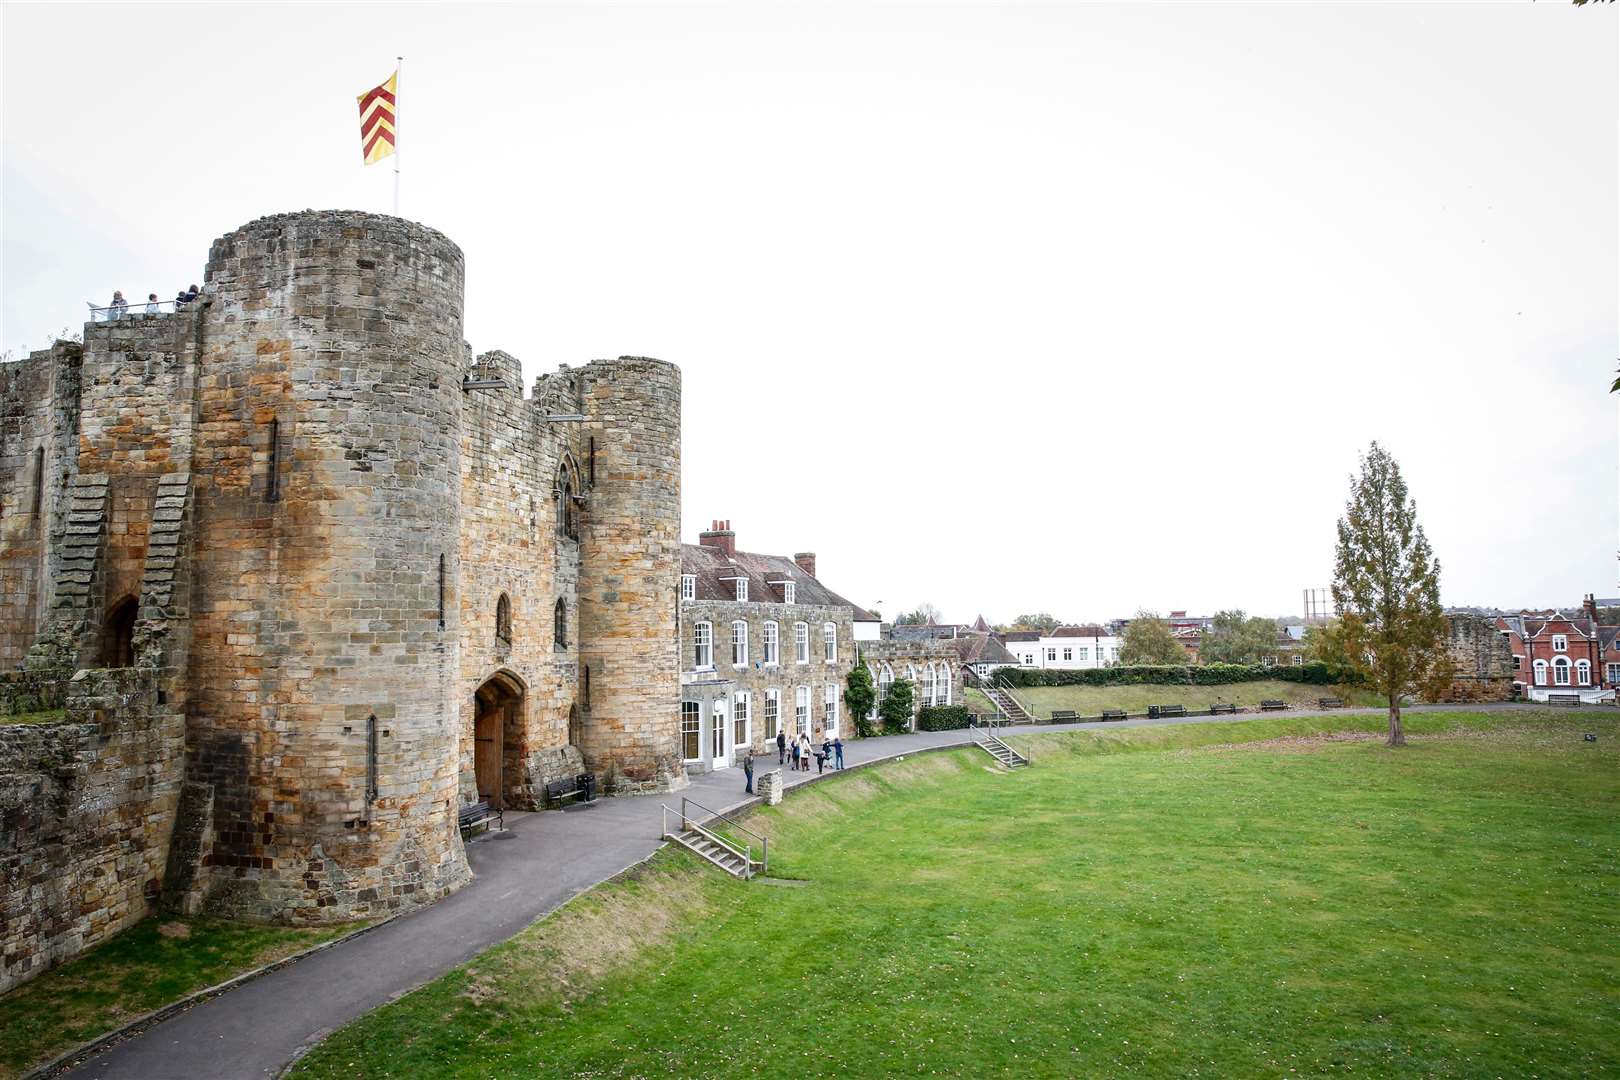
<point>1560,643</point>
<point>789,591</point>
<point>688,586</point>
<point>742,589</point>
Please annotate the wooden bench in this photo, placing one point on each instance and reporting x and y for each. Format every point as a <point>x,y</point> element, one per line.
<point>479,813</point>
<point>1113,714</point>
<point>1222,707</point>
<point>1563,699</point>
<point>1330,702</point>
<point>1272,705</point>
<point>1064,716</point>
<point>1167,710</point>
<point>581,787</point>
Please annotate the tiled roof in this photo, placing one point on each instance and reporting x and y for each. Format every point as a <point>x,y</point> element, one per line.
<point>1021,635</point>
<point>974,648</point>
<point>715,575</point>
<point>1080,631</point>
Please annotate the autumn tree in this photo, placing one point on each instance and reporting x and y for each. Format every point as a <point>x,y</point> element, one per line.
<point>1148,640</point>
<point>1386,581</point>
<point>1324,645</point>
<point>1236,639</point>
<point>1040,621</point>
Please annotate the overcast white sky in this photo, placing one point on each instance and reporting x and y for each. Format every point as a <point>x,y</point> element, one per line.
<point>1079,309</point>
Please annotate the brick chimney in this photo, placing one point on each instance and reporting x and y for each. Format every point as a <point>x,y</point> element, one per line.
<point>806,561</point>
<point>1590,606</point>
<point>720,537</point>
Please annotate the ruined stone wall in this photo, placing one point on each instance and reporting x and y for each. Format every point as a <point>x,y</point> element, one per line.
<point>756,677</point>
<point>326,483</point>
<point>513,544</point>
<point>86,812</point>
<point>630,567</point>
<point>39,401</point>
<point>1481,659</point>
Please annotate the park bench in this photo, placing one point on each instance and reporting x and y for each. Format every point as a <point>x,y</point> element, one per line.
<point>1113,714</point>
<point>479,813</point>
<point>1563,699</point>
<point>1065,715</point>
<point>1330,702</point>
<point>581,787</point>
<point>1156,711</point>
<point>1272,705</point>
<point>1222,707</point>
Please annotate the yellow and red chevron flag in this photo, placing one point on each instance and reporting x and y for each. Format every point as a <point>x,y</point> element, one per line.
<point>377,111</point>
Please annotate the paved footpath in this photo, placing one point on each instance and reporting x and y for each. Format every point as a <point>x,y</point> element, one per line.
<point>538,863</point>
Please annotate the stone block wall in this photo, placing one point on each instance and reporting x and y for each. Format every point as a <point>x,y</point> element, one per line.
<point>86,812</point>
<point>629,572</point>
<point>757,677</point>
<point>1481,660</point>
<point>900,655</point>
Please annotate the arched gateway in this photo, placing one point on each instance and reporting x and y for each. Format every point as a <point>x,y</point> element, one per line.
<point>497,727</point>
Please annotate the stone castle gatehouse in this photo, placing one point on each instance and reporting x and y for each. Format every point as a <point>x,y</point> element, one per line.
<point>320,577</point>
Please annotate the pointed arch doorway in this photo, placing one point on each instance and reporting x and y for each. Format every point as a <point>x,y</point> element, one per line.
<point>497,716</point>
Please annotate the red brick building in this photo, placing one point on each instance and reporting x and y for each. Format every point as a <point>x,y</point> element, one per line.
<point>1556,652</point>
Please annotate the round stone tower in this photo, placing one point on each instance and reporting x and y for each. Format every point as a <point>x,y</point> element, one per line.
<point>326,501</point>
<point>629,573</point>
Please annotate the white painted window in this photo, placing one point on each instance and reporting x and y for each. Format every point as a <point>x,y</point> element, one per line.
<point>801,643</point>
<point>717,730</point>
<point>1560,671</point>
<point>1583,673</point>
<point>928,686</point>
<point>703,646</point>
<point>829,710</point>
<point>691,722</point>
<point>742,719</point>
<point>789,591</point>
<point>688,586</point>
<point>1051,655</point>
<point>1614,673</point>
<point>942,685</point>
<point>739,644</point>
<point>1299,660</point>
<point>884,681</point>
<point>771,648</point>
<point>742,588</point>
<point>1540,667</point>
<point>1560,643</point>
<point>829,643</point>
<point>801,710</point>
<point>1268,661</point>
<point>1085,654</point>
<point>1068,653</point>
<point>773,712</point>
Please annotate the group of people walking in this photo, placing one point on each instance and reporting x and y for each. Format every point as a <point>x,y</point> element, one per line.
<point>119,308</point>
<point>800,751</point>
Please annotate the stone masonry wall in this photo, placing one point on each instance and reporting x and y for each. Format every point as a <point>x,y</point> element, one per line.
<point>86,811</point>
<point>900,654</point>
<point>1481,658</point>
<point>512,544</point>
<point>326,477</point>
<point>39,402</point>
<point>629,570</point>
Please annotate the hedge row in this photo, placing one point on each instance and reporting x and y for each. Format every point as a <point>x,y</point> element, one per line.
<point>1165,675</point>
<point>943,718</point>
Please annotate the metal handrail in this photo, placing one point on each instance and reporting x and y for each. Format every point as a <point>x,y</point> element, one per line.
<point>136,310</point>
<point>715,815</point>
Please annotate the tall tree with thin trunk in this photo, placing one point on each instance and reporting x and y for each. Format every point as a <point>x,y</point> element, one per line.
<point>1386,581</point>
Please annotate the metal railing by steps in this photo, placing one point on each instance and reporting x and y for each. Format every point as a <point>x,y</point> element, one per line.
<point>987,741</point>
<point>735,859</point>
<point>1011,709</point>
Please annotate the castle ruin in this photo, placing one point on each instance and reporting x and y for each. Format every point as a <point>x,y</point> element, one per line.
<point>307,577</point>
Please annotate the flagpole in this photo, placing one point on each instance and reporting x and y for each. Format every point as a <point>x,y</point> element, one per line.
<point>398,67</point>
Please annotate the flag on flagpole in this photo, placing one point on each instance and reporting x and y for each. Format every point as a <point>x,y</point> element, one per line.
<point>377,111</point>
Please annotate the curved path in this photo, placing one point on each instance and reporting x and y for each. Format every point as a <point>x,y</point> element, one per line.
<point>538,863</point>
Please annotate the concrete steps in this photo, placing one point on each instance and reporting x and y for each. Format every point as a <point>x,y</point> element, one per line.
<point>999,750</point>
<point>1007,705</point>
<point>714,850</point>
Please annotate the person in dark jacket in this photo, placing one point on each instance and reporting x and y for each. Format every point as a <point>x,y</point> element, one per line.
<point>748,774</point>
<point>838,753</point>
<point>781,747</point>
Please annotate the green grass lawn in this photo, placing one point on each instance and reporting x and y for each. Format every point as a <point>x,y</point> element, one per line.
<point>1177,901</point>
<point>146,967</point>
<point>1092,700</point>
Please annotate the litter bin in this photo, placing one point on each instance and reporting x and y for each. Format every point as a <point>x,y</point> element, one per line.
<point>586,782</point>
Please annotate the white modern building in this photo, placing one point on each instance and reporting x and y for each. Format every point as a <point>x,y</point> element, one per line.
<point>1065,648</point>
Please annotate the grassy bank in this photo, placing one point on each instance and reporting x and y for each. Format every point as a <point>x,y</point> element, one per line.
<point>1247,899</point>
<point>1092,700</point>
<point>146,967</point>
